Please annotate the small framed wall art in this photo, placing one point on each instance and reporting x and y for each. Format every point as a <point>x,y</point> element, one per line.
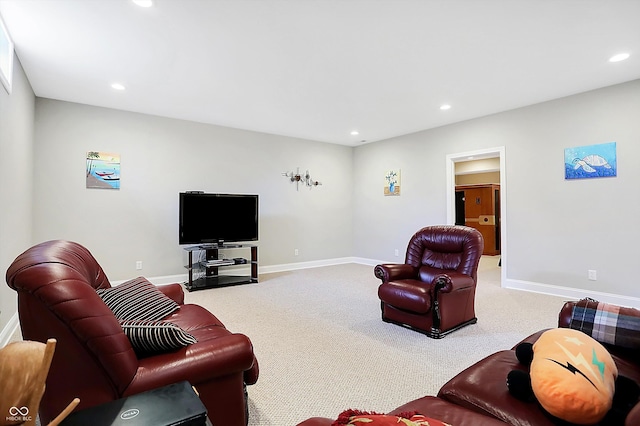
<point>103,170</point>
<point>392,182</point>
<point>591,161</point>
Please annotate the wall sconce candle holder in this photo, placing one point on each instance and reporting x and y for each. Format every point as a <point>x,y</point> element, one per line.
<point>301,179</point>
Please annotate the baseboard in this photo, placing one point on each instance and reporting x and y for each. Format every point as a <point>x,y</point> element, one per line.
<point>8,330</point>
<point>572,293</point>
<point>305,265</point>
<point>169,279</point>
<point>372,262</point>
<point>162,280</point>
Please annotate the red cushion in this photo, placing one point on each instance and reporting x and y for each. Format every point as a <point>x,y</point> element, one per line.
<point>410,295</point>
<point>357,417</point>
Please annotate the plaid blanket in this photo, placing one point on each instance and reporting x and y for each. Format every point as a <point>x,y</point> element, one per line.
<point>611,324</point>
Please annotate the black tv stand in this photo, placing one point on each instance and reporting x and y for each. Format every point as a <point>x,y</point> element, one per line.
<point>204,273</point>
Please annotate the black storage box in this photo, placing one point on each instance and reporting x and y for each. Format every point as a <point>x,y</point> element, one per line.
<point>172,405</point>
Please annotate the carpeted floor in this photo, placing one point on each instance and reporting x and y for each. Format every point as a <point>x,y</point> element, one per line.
<point>322,346</point>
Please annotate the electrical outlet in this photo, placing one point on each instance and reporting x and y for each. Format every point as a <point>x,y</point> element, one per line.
<point>295,252</point>
<point>139,265</point>
<point>592,274</point>
<point>397,252</point>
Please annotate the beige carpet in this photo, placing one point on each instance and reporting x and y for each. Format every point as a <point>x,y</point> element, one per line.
<point>322,346</point>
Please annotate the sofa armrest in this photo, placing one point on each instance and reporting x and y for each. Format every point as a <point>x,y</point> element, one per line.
<point>564,317</point>
<point>633,418</point>
<point>174,292</point>
<point>395,271</point>
<point>452,281</point>
<point>197,363</point>
<point>251,375</point>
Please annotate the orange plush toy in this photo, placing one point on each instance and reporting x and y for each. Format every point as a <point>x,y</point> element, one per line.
<point>572,376</point>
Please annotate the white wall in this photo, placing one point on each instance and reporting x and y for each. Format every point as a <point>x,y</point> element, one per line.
<point>556,229</point>
<point>16,176</point>
<point>161,157</point>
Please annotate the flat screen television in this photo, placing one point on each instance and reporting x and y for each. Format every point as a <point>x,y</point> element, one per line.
<point>217,218</point>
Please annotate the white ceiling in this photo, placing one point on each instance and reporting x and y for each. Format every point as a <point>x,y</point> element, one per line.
<point>318,69</point>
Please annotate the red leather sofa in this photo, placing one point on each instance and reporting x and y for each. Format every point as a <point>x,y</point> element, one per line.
<point>478,396</point>
<point>56,282</point>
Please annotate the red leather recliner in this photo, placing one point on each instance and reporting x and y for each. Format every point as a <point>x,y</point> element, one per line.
<point>434,290</point>
<point>94,359</point>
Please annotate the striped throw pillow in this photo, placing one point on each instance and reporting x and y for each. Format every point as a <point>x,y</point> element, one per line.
<point>150,337</point>
<point>137,299</point>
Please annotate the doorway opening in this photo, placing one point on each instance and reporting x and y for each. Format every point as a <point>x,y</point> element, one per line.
<point>500,203</point>
<point>478,206</point>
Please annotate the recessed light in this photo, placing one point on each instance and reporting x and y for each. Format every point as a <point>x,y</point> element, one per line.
<point>143,3</point>
<point>445,107</point>
<point>619,57</point>
<point>355,133</point>
<point>117,86</point>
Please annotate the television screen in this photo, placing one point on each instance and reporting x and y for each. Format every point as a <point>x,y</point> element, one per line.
<point>217,218</point>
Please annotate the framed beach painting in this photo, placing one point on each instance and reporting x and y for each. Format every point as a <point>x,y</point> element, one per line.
<point>103,170</point>
<point>590,161</point>
<point>392,182</point>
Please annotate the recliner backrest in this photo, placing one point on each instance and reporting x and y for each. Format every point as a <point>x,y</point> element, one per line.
<point>446,247</point>
<point>56,283</point>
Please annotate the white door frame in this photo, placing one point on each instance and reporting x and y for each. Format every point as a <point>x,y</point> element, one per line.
<point>451,199</point>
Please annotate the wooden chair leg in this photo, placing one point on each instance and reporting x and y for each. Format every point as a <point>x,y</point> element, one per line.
<point>63,415</point>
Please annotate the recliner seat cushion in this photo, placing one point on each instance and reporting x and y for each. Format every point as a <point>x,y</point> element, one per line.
<point>409,295</point>
<point>204,326</point>
<point>198,322</point>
